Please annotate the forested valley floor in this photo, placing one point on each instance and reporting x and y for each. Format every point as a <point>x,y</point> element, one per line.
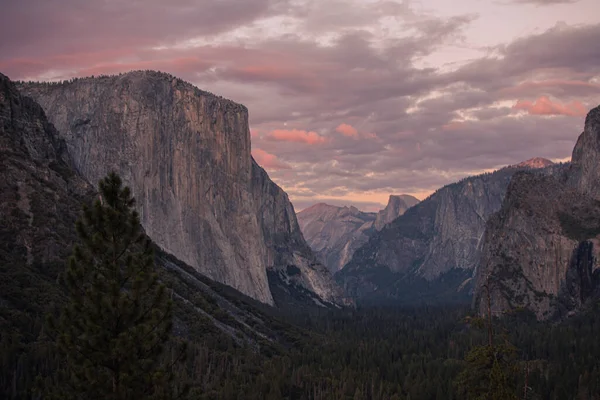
<point>366,353</point>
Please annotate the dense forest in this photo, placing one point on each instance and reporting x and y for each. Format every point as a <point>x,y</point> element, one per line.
<point>374,353</point>
<point>237,348</point>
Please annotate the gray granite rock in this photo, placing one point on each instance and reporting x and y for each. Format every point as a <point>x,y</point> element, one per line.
<point>334,233</point>
<point>397,205</point>
<point>540,250</point>
<point>436,236</point>
<point>185,153</point>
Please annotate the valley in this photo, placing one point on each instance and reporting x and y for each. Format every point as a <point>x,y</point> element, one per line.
<point>328,303</point>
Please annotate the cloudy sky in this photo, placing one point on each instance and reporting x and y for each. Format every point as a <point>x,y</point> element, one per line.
<point>350,100</point>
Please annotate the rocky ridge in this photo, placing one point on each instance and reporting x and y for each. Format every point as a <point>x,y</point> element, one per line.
<point>540,250</point>
<point>441,234</point>
<point>185,153</point>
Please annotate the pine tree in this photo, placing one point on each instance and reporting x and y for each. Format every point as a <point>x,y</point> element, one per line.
<point>114,328</point>
<point>490,369</point>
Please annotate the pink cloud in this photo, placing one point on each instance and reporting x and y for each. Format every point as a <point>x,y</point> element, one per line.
<point>347,130</point>
<point>268,160</point>
<point>296,136</point>
<point>545,106</point>
<point>453,126</point>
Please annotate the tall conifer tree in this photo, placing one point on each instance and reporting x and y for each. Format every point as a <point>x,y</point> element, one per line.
<point>113,331</point>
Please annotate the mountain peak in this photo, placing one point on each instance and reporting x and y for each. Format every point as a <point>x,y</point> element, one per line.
<point>406,198</point>
<point>397,205</point>
<point>334,232</point>
<point>318,207</point>
<point>535,162</point>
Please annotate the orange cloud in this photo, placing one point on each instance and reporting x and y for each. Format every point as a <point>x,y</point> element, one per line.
<point>347,130</point>
<point>545,106</point>
<point>268,160</point>
<point>297,136</point>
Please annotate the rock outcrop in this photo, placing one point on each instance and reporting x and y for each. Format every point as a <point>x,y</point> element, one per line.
<point>185,154</point>
<point>41,197</point>
<point>535,163</point>
<point>540,250</point>
<point>334,233</point>
<point>439,235</point>
<point>397,205</point>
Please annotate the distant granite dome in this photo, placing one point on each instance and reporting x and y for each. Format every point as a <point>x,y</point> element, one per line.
<point>536,162</point>
<point>397,205</point>
<point>334,233</point>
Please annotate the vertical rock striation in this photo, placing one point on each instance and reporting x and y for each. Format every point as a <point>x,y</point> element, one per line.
<point>540,250</point>
<point>185,153</point>
<point>438,236</point>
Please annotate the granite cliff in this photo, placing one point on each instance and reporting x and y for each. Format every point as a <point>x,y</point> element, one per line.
<point>434,246</point>
<point>540,250</point>
<point>396,206</point>
<point>41,196</point>
<point>335,233</point>
<point>185,153</point>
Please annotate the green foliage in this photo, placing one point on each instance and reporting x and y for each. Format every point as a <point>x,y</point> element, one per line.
<point>489,373</point>
<point>580,224</point>
<point>241,349</point>
<point>112,332</point>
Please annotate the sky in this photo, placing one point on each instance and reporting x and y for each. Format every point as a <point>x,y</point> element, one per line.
<point>350,100</point>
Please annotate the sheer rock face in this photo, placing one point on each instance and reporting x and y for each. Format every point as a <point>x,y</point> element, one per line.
<point>541,249</point>
<point>185,154</point>
<point>397,205</point>
<point>334,233</point>
<point>440,234</point>
<point>584,173</point>
<point>41,196</point>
